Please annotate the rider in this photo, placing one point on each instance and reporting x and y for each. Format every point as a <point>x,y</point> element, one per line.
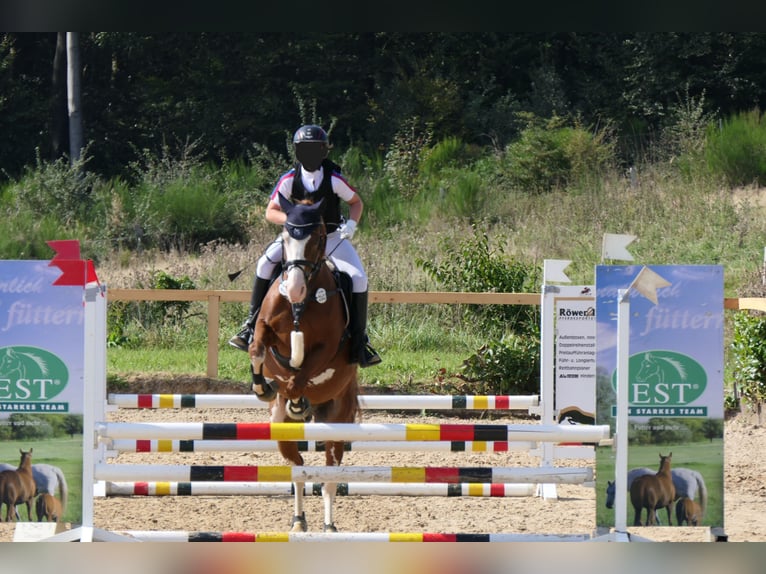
<point>316,176</point>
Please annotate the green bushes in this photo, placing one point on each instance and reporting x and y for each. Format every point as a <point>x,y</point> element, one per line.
<point>550,154</point>
<point>748,353</point>
<point>510,361</point>
<point>510,365</point>
<point>737,150</point>
<point>130,324</point>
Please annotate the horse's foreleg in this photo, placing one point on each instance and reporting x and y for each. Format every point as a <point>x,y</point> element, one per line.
<point>264,389</point>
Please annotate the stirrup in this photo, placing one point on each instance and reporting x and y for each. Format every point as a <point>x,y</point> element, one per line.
<point>242,339</point>
<point>369,357</point>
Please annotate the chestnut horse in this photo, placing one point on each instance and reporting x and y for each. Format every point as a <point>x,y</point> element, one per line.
<point>689,511</point>
<point>300,353</point>
<point>18,487</point>
<point>652,492</point>
<point>48,507</point>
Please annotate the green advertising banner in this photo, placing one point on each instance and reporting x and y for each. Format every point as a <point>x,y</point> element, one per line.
<point>675,393</point>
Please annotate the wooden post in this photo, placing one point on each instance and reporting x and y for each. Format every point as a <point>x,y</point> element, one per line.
<point>213,325</point>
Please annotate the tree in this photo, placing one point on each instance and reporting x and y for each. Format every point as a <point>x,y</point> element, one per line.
<point>73,96</point>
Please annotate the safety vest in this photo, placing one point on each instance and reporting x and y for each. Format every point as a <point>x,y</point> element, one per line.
<point>331,205</point>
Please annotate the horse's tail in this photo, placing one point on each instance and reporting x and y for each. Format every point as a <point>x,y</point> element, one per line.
<point>703,492</point>
<point>63,488</point>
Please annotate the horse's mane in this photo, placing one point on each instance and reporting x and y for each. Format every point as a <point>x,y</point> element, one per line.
<point>39,361</point>
<point>677,365</point>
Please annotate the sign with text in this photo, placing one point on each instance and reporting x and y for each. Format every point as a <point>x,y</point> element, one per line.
<point>675,385</point>
<point>575,310</point>
<point>41,376</point>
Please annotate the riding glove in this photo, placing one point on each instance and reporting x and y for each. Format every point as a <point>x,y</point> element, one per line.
<point>348,229</point>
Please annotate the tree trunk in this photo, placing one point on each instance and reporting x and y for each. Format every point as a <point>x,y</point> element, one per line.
<point>73,92</point>
<point>58,109</point>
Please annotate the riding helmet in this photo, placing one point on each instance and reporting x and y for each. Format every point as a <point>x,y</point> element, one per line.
<point>311,146</point>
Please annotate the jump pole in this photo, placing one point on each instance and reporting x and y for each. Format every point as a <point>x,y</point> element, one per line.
<point>171,446</point>
<point>493,490</point>
<point>352,432</point>
<point>186,536</point>
<point>285,473</point>
<point>367,402</point>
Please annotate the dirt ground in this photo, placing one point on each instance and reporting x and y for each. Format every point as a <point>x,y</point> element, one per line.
<point>573,512</point>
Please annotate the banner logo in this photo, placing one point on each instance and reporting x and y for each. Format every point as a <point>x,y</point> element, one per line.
<point>31,374</point>
<point>664,383</point>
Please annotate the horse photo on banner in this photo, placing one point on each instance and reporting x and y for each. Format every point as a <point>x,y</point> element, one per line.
<point>675,394</point>
<point>41,384</point>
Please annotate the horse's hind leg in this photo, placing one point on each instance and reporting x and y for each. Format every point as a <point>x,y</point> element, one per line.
<point>289,451</point>
<point>299,523</point>
<point>333,457</point>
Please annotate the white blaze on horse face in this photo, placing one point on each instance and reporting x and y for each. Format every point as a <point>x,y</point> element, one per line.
<point>295,283</point>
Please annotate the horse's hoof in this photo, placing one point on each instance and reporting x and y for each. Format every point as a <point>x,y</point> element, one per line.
<point>330,528</point>
<point>299,523</point>
<point>299,410</point>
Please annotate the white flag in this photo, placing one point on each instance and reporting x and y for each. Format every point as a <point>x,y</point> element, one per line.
<point>647,282</point>
<point>613,246</point>
<point>553,270</point>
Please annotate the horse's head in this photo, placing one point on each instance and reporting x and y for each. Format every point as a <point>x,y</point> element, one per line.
<point>649,369</point>
<point>304,239</point>
<point>8,359</point>
<point>26,458</point>
<point>665,461</point>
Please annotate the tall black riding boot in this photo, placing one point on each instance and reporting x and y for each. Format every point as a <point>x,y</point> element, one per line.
<point>242,339</point>
<point>361,351</point>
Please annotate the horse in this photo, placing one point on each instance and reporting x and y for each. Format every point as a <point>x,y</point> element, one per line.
<point>48,479</point>
<point>48,507</point>
<point>687,510</point>
<point>687,482</point>
<point>300,355</point>
<point>653,491</point>
<point>18,487</point>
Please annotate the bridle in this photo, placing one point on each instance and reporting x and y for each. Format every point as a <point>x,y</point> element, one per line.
<point>310,269</point>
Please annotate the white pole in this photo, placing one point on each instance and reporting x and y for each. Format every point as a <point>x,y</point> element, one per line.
<point>547,414</point>
<point>621,440</point>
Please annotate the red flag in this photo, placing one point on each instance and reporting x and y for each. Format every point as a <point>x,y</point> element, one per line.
<point>74,270</point>
<point>65,248</point>
<point>90,275</point>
